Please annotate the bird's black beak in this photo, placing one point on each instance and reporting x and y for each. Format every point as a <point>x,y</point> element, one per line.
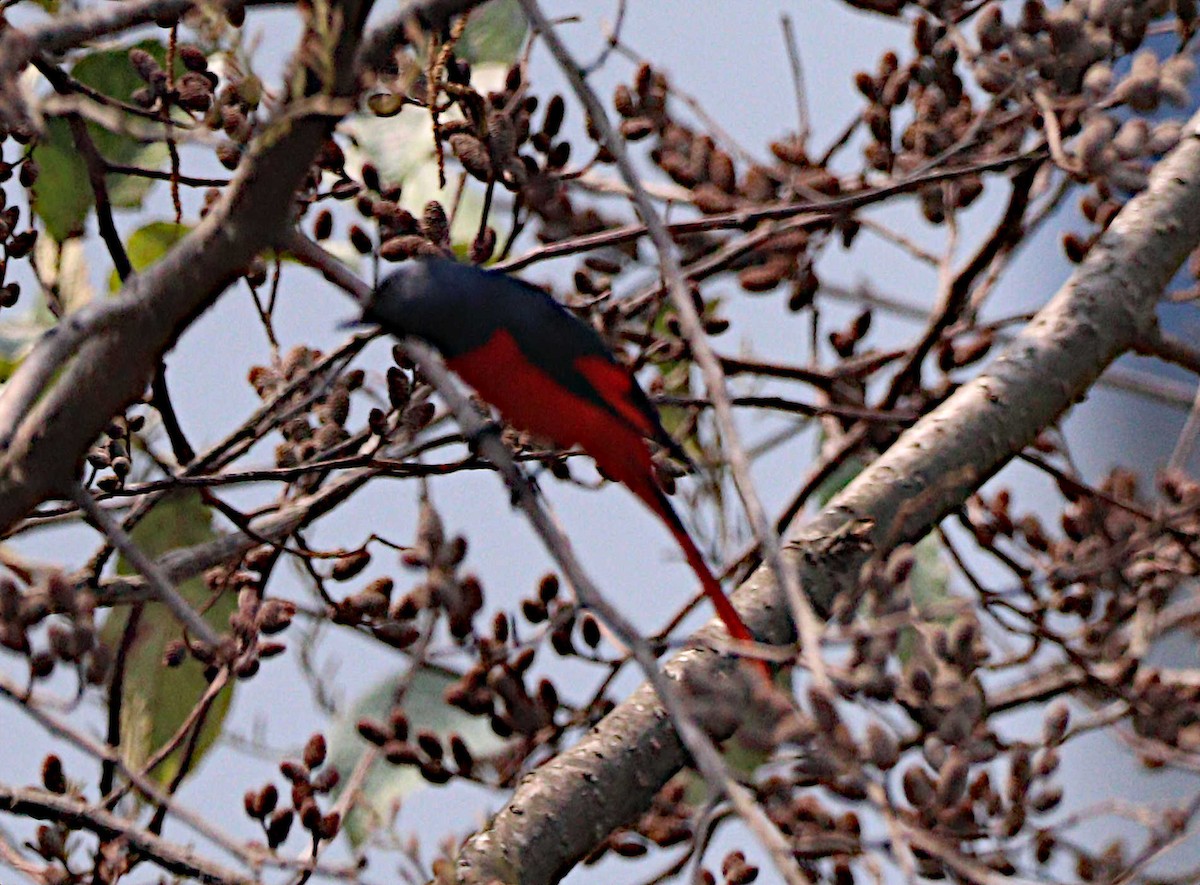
<point>362,322</point>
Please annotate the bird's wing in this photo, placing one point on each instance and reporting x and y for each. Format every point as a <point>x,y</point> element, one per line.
<point>621,395</point>
<point>574,354</point>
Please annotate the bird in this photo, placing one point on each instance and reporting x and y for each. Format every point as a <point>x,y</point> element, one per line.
<point>547,373</point>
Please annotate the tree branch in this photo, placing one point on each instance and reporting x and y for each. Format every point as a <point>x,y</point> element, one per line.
<point>44,443</point>
<point>77,814</point>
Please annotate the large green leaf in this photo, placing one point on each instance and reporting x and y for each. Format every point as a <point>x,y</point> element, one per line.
<point>494,33</point>
<point>386,785</point>
<point>147,245</point>
<point>62,196</point>
<point>158,699</point>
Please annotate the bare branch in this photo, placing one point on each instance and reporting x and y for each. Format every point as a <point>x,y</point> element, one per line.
<point>43,805</point>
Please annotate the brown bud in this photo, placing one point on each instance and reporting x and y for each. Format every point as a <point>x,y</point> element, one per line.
<point>637,128</point>
<point>952,782</point>
<point>21,245</point>
<point>360,240</point>
<point>712,200</point>
<point>279,827</point>
<point>434,224</point>
<point>397,752</point>
<point>764,277</point>
<point>326,780</point>
<point>396,635</point>
<point>53,777</point>
<point>484,245</point>
<point>293,771</point>
<point>268,798</point>
<point>430,744</point>
<point>373,732</point>
<point>463,760</point>
<point>314,751</point>
<point>435,772</point>
<point>882,748</point>
<point>194,92</point>
<point>473,154</point>
<point>534,610</point>
<point>1055,726</point>
<point>323,226</point>
<point>274,615</point>
<point>405,246</point>
<point>329,826</point>
<point>559,155</point>
<point>147,67</point>
<point>351,564</point>
<point>918,786</point>
<point>589,629</point>
<point>192,57</point>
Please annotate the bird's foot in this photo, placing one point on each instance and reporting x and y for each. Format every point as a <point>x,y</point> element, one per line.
<point>527,486</point>
<point>488,428</point>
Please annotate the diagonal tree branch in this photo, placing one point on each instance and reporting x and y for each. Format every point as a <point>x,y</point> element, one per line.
<point>44,434</point>
<point>555,817</point>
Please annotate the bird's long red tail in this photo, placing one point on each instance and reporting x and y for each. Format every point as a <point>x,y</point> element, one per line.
<point>641,482</point>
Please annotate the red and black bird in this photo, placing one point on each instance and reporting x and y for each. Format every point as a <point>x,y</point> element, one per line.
<point>546,372</point>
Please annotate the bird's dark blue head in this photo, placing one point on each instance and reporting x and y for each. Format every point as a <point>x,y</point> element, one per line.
<point>450,305</point>
<point>459,307</point>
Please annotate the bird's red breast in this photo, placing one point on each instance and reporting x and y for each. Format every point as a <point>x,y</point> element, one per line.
<point>531,399</point>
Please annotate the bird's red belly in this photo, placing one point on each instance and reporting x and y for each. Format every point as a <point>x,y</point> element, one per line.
<point>530,399</point>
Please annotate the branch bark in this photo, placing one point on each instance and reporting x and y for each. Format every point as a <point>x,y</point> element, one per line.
<point>174,858</point>
<point>560,812</point>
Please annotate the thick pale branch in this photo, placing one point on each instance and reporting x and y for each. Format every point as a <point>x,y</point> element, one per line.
<point>557,816</point>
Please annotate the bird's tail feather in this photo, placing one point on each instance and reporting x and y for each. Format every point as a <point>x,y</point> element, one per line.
<point>642,484</point>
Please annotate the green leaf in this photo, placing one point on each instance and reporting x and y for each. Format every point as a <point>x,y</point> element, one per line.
<point>386,785</point>
<point>158,699</point>
<point>147,245</point>
<point>62,195</point>
<point>494,33</point>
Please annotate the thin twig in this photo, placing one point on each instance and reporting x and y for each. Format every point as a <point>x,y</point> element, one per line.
<point>72,811</point>
<point>803,123</point>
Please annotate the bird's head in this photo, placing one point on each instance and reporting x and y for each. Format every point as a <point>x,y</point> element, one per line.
<point>453,306</point>
<point>420,299</point>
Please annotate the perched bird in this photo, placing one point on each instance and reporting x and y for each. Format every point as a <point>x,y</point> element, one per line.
<point>546,372</point>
